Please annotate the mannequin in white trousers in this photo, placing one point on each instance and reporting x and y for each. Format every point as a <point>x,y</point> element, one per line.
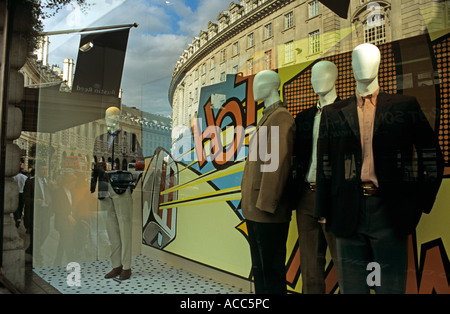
<point>119,207</point>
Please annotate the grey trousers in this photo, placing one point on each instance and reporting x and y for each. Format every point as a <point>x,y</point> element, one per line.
<point>313,243</point>
<point>375,241</point>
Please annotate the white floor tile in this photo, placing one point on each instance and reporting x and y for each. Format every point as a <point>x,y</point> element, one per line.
<point>149,276</point>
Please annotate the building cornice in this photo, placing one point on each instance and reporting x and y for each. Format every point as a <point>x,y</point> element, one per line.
<point>223,36</point>
<point>363,9</point>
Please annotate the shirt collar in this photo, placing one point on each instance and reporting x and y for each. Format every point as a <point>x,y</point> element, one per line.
<point>273,107</point>
<point>320,106</point>
<point>371,97</point>
<point>115,132</point>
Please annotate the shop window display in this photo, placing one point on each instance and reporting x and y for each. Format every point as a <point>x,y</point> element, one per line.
<point>185,148</point>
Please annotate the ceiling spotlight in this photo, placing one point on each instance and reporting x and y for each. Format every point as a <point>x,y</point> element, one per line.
<point>86,47</point>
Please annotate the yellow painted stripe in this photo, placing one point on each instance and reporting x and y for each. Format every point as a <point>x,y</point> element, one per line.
<point>236,189</point>
<point>213,174</point>
<point>202,202</point>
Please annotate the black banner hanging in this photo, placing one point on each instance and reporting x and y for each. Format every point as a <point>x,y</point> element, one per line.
<point>340,7</point>
<point>100,62</point>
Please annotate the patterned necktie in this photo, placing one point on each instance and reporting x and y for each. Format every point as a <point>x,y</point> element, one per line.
<point>111,138</point>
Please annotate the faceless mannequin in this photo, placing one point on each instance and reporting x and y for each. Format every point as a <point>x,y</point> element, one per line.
<point>323,79</point>
<point>112,117</point>
<point>377,150</point>
<point>314,240</point>
<point>264,203</point>
<point>365,63</point>
<point>115,203</point>
<point>265,87</point>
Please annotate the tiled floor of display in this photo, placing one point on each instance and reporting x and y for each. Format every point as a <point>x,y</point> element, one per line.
<point>149,276</point>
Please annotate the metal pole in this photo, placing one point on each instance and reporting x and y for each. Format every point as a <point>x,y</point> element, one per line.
<point>91,29</point>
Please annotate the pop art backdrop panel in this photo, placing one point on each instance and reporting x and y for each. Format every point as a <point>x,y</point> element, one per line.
<point>191,196</point>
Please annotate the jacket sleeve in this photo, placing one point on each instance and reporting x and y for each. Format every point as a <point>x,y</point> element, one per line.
<point>324,169</point>
<point>276,170</point>
<point>429,158</point>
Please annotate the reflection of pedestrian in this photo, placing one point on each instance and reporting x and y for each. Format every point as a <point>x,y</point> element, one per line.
<point>28,213</point>
<point>64,217</point>
<point>42,210</point>
<point>20,178</point>
<point>84,208</point>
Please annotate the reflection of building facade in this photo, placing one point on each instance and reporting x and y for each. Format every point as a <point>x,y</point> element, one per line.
<point>156,129</point>
<point>37,73</point>
<point>284,35</point>
<point>140,129</point>
<point>257,35</point>
<point>150,131</point>
<point>76,143</point>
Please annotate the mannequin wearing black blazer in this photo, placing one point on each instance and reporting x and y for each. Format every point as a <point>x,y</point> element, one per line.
<point>374,227</point>
<point>400,126</point>
<point>313,238</point>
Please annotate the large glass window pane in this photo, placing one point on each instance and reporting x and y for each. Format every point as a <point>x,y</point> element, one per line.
<point>143,130</point>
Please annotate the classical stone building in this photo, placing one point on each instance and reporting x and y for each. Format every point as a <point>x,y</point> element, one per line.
<point>256,35</point>
<point>76,142</point>
<point>149,130</point>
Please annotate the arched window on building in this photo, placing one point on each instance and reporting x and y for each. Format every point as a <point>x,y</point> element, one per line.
<point>375,30</point>
<point>371,20</point>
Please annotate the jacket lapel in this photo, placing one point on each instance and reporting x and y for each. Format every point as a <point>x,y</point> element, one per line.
<point>383,106</point>
<point>309,118</point>
<point>268,113</point>
<point>263,119</point>
<point>350,114</point>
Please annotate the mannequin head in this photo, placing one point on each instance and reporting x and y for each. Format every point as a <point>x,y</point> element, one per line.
<point>265,87</point>
<point>323,77</point>
<point>365,63</point>
<point>112,117</point>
